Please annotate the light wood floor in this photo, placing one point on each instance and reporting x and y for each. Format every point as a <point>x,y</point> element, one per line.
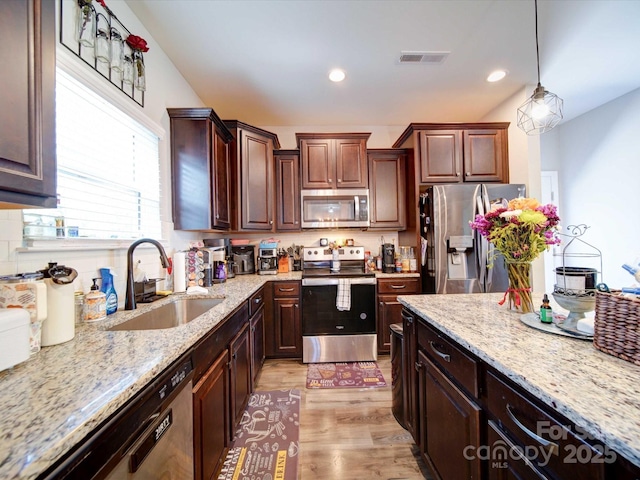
<point>349,433</point>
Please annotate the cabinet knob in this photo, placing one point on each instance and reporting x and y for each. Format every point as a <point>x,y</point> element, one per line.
<point>330,180</point>
<point>217,216</point>
<point>295,305</point>
<point>457,174</point>
<point>468,174</point>
<point>270,222</point>
<point>339,181</point>
<point>381,304</point>
<point>296,222</point>
<point>257,300</point>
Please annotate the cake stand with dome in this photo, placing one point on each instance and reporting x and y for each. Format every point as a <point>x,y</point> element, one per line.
<point>577,278</point>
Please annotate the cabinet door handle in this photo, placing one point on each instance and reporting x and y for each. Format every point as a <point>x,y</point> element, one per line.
<point>398,287</point>
<point>217,216</point>
<point>417,366</point>
<point>468,174</point>
<point>409,319</point>
<point>329,180</point>
<point>280,289</point>
<point>270,222</point>
<point>257,300</point>
<point>295,305</point>
<point>445,356</point>
<point>381,304</point>
<point>457,174</point>
<point>545,443</point>
<point>339,181</point>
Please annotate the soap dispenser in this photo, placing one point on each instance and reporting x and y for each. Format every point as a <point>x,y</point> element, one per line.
<point>95,304</point>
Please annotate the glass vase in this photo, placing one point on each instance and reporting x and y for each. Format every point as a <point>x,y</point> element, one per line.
<point>140,78</point>
<point>519,291</point>
<point>85,24</point>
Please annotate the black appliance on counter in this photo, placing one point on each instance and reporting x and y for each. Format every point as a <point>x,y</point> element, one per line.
<point>243,259</point>
<point>388,258</point>
<point>330,334</point>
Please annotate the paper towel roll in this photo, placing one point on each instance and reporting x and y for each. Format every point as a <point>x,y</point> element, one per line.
<point>60,324</point>
<point>179,278</point>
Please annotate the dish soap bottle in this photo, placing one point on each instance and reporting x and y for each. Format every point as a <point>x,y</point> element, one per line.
<point>95,304</point>
<point>109,290</point>
<point>546,313</point>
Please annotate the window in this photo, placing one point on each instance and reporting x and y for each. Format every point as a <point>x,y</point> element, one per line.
<point>108,171</point>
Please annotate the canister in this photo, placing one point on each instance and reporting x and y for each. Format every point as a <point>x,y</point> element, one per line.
<point>59,326</point>
<point>27,291</point>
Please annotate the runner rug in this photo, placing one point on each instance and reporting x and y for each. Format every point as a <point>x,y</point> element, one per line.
<point>266,444</point>
<point>344,375</point>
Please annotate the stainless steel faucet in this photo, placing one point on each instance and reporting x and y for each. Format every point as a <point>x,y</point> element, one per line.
<point>130,298</point>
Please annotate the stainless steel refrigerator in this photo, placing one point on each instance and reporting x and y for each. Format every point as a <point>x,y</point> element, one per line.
<point>455,258</point>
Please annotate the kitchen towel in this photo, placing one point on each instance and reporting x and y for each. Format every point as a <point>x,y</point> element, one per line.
<point>343,299</point>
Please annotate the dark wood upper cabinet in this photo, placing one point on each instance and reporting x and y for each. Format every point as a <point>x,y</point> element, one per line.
<point>458,152</point>
<point>252,177</point>
<point>27,104</point>
<point>200,169</point>
<point>287,190</point>
<point>333,160</point>
<point>387,193</point>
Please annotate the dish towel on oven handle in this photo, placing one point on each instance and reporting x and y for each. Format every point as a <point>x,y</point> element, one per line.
<point>343,299</point>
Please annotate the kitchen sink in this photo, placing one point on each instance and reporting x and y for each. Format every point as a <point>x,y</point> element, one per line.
<point>169,315</point>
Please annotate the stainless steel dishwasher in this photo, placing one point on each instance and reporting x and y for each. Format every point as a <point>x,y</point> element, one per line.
<point>165,448</point>
<point>151,437</point>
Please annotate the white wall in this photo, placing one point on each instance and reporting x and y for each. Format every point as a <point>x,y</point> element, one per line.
<point>597,158</point>
<point>165,88</point>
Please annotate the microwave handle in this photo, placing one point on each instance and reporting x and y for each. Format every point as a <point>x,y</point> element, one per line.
<point>357,207</point>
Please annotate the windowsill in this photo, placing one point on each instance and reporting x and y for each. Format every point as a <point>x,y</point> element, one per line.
<point>78,244</point>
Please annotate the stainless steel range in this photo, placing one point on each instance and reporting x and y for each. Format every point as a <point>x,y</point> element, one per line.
<point>338,306</point>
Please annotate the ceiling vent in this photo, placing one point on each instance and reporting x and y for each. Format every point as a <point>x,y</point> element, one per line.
<point>423,57</point>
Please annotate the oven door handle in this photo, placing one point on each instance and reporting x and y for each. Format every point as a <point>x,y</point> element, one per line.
<point>319,282</point>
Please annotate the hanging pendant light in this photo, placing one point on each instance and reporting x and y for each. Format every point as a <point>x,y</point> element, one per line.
<point>543,110</point>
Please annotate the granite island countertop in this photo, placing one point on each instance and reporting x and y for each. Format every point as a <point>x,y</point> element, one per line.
<point>598,392</point>
<point>52,401</point>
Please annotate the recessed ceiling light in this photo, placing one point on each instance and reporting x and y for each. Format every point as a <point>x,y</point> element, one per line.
<point>496,75</point>
<point>337,75</point>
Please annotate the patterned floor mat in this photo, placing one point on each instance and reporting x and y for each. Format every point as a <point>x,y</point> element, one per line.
<point>345,375</point>
<point>267,440</point>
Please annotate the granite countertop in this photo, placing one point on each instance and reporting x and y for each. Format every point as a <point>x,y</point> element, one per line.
<point>598,392</point>
<point>52,401</point>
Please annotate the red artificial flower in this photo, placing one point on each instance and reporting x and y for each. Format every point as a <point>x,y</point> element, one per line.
<point>101,2</point>
<point>137,43</point>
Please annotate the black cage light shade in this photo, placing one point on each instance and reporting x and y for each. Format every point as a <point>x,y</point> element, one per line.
<point>543,110</point>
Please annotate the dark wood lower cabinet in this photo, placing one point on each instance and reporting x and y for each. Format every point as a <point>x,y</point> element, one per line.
<point>211,418</point>
<point>240,375</point>
<point>449,425</point>
<point>287,327</point>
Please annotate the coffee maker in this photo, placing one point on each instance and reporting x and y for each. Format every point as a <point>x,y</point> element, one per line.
<point>243,259</point>
<point>388,258</point>
<point>268,261</point>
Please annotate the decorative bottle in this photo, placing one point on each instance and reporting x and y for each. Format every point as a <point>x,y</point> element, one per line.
<point>546,313</point>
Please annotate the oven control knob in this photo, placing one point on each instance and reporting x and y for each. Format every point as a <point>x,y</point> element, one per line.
<point>358,251</point>
<point>351,252</point>
<point>315,252</point>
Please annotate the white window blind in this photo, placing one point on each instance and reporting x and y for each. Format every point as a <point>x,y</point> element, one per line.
<point>108,171</point>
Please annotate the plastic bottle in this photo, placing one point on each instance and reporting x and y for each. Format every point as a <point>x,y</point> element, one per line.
<point>635,271</point>
<point>95,304</point>
<point>109,290</point>
<point>546,313</point>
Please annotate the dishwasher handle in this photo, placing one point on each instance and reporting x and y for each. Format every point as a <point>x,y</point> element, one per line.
<point>150,440</point>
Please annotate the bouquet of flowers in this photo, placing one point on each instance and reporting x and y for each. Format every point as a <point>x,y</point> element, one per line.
<point>520,232</point>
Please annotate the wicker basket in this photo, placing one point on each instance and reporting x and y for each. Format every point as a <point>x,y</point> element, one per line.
<point>617,326</point>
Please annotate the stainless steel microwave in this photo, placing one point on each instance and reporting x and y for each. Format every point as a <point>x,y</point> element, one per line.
<point>340,208</point>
